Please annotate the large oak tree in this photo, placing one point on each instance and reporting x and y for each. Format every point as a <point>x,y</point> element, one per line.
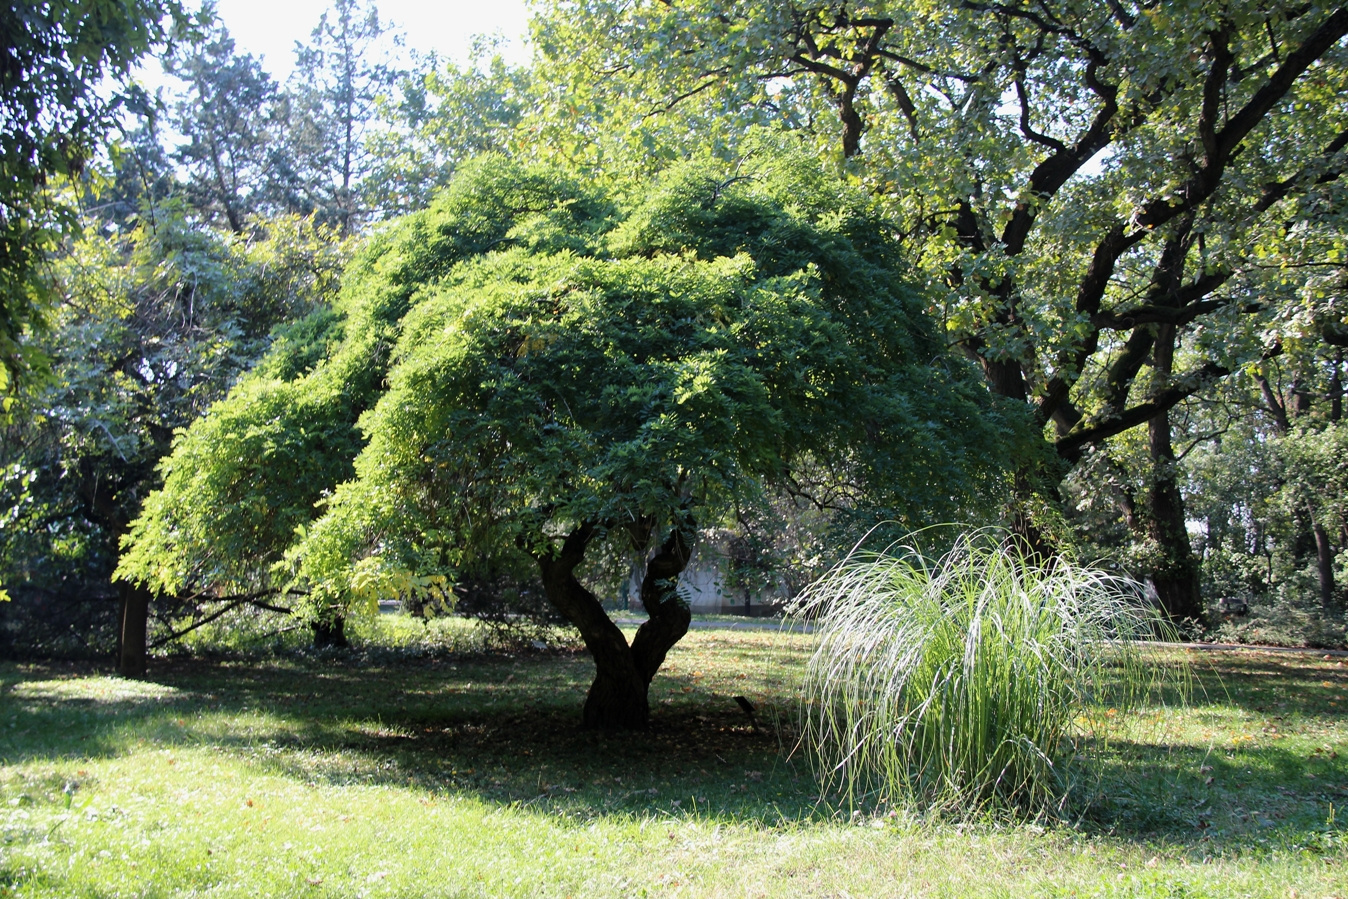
<point>1121,201</point>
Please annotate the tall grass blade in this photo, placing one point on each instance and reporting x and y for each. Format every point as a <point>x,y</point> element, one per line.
<point>972,682</point>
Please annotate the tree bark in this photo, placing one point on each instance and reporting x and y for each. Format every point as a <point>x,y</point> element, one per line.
<point>330,632</point>
<point>619,696</point>
<point>1175,574</point>
<point>669,614</point>
<point>1027,537</point>
<point>1336,389</point>
<point>131,653</point>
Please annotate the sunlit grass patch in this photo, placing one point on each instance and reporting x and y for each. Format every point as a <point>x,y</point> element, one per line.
<point>92,689</point>
<point>469,776</point>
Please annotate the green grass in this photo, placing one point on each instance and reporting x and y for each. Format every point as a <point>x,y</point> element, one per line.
<point>467,776</point>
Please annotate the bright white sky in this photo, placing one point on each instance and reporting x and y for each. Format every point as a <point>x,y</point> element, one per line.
<point>270,28</point>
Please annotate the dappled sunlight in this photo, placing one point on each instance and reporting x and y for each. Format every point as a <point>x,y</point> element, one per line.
<point>471,775</point>
<point>101,690</point>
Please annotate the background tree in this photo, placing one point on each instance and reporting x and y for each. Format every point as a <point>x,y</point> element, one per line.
<point>64,79</point>
<point>340,77</point>
<point>1260,492</point>
<point>443,115</point>
<point>1268,496</point>
<point>1094,184</point>
<point>565,372</point>
<point>229,115</point>
<point>155,323</point>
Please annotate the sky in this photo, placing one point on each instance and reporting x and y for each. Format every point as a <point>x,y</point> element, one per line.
<point>270,28</point>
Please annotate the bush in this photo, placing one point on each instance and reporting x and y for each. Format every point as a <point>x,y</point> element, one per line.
<point>973,682</point>
<point>1287,613</point>
<point>511,607</point>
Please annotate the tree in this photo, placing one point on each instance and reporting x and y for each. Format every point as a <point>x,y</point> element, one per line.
<point>535,368</point>
<point>1259,481</point>
<point>1316,463</point>
<point>63,82</point>
<point>340,78</point>
<point>1099,186</point>
<point>229,117</point>
<point>155,323</point>
<point>444,115</point>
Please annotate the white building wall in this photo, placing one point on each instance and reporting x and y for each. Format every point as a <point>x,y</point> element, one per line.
<point>703,582</point>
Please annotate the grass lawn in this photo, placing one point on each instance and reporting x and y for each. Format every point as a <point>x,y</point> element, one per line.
<point>467,776</point>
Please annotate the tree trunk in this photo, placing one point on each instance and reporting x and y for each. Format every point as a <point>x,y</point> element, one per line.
<point>131,653</point>
<point>1175,574</point>
<point>1336,389</point>
<point>330,633</point>
<point>1027,537</point>
<point>618,698</point>
<point>1324,558</point>
<point>669,614</point>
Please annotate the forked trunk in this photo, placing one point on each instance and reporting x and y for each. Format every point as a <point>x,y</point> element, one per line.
<point>618,698</point>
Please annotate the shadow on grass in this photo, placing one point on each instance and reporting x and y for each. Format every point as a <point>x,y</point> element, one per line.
<point>1234,795</point>
<point>1266,683</point>
<point>503,729</point>
<point>506,731</point>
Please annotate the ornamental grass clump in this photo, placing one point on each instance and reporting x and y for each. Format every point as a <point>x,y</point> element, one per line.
<point>976,682</point>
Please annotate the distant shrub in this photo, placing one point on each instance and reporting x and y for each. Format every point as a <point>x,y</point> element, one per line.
<point>69,622</point>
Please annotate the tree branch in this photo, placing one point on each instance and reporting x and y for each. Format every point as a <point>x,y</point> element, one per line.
<point>1026,127</point>
<point>1224,142</point>
<point>1213,88</point>
<point>1154,315</point>
<point>231,603</point>
<point>1070,446</point>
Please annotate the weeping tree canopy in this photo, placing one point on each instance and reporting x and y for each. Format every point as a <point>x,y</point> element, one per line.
<point>532,366</point>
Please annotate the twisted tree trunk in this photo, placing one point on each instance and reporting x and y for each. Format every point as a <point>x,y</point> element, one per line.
<point>618,698</point>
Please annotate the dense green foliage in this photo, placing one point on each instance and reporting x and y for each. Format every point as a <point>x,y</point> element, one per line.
<point>156,322</point>
<point>1131,219</point>
<point>724,346</point>
<point>1121,203</point>
<point>63,82</point>
<point>529,368</point>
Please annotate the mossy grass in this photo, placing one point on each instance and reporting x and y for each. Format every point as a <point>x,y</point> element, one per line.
<point>974,682</point>
<point>379,774</point>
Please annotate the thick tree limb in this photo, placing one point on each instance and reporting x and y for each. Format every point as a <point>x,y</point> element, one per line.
<point>1155,315</point>
<point>1070,446</point>
<point>1225,141</point>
